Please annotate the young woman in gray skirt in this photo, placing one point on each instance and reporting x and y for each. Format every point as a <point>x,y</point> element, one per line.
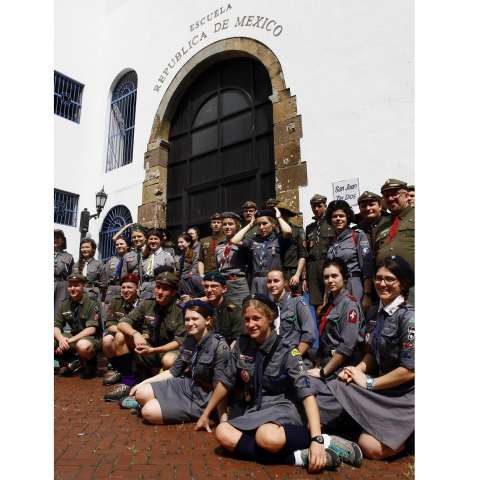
<point>272,398</point>
<point>181,393</point>
<point>378,393</point>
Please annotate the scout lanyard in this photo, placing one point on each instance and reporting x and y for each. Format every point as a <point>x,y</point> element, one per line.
<point>323,322</point>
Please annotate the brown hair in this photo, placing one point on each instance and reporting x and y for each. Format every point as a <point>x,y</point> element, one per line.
<point>258,305</point>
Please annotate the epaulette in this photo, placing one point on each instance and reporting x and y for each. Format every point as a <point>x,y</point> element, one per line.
<point>231,307</point>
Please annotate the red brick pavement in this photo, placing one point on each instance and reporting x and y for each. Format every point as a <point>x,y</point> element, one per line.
<point>98,440</point>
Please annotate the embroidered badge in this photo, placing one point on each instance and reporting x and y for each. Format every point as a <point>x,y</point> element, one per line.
<point>246,357</point>
<point>411,333</point>
<point>352,316</point>
<point>245,376</point>
<point>407,345</point>
<point>295,353</point>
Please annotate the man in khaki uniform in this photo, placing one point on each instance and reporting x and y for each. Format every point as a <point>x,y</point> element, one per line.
<point>82,314</point>
<point>207,261</point>
<point>371,216</point>
<point>156,327</point>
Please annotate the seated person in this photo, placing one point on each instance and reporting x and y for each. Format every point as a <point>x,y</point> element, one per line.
<point>82,314</point>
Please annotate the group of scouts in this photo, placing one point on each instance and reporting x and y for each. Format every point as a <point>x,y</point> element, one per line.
<point>275,333</point>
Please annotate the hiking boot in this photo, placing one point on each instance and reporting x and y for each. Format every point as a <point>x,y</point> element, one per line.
<point>333,461</point>
<point>70,368</point>
<point>349,452</point>
<point>89,369</point>
<point>117,393</point>
<point>112,378</point>
<point>130,403</point>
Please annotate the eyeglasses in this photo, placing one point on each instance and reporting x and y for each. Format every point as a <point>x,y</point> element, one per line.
<point>393,193</point>
<point>388,280</point>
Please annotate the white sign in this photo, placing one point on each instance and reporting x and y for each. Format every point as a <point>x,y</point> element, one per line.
<point>348,190</point>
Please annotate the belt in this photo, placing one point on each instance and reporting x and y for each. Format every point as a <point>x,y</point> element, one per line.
<point>260,274</point>
<point>356,275</point>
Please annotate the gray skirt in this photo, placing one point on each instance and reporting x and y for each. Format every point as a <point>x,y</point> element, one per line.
<point>274,409</point>
<point>180,399</point>
<point>237,290</point>
<point>387,415</point>
<point>60,293</point>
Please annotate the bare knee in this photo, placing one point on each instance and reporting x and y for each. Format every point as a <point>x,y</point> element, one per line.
<point>169,359</point>
<point>108,346</point>
<point>374,449</point>
<point>85,349</point>
<point>120,344</point>
<point>227,435</point>
<point>144,394</point>
<point>152,413</point>
<point>271,437</point>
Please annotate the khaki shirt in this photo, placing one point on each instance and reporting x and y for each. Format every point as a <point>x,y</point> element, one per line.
<point>79,315</point>
<point>319,236</point>
<point>403,244</point>
<point>229,321</point>
<point>118,309</point>
<point>207,251</point>
<point>160,324</point>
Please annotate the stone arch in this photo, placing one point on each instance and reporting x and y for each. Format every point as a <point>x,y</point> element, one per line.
<point>290,171</point>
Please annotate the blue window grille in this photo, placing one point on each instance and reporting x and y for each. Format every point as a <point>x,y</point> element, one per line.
<point>115,219</point>
<point>67,97</point>
<point>65,208</point>
<point>122,122</point>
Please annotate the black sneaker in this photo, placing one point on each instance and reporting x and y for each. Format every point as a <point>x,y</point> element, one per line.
<point>70,368</point>
<point>90,369</point>
<point>112,379</point>
<point>119,392</point>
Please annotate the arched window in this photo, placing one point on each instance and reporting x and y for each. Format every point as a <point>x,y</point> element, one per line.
<point>115,219</point>
<point>122,122</point>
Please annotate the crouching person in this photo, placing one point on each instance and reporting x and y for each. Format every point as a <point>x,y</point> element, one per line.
<point>114,344</point>
<point>181,393</point>
<point>82,315</point>
<point>155,329</point>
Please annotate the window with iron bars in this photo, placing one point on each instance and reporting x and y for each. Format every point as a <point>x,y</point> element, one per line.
<point>65,208</point>
<point>122,122</point>
<point>67,97</point>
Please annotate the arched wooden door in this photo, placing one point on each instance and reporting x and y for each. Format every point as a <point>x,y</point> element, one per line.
<point>221,139</point>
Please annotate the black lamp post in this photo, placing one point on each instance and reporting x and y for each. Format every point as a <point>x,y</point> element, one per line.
<point>100,199</point>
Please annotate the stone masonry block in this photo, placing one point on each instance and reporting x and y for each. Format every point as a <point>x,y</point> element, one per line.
<point>287,154</point>
<point>285,109</point>
<point>288,130</point>
<point>291,177</point>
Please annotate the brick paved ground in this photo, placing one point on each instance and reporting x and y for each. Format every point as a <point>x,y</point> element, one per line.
<point>98,440</point>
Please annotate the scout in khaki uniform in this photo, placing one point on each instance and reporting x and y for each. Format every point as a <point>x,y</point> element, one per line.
<point>248,211</point>
<point>115,346</point>
<point>206,260</point>
<point>397,237</point>
<point>411,195</point>
<point>156,327</point>
<point>371,216</point>
<point>82,315</point>
<point>228,316</point>
<point>319,236</point>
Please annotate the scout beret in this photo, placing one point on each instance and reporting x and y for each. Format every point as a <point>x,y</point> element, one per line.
<point>393,183</point>
<point>167,278</point>
<point>249,204</point>
<point>199,303</point>
<point>233,215</point>
<point>267,212</point>
<point>216,216</point>
<point>283,206</point>
<point>317,198</point>
<point>272,202</point>
<point>215,277</point>
<point>76,277</point>
<point>130,277</point>
<point>262,298</point>
<point>411,188</point>
<point>369,196</point>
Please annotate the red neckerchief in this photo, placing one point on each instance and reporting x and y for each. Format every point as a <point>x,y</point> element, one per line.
<point>393,229</point>
<point>225,255</point>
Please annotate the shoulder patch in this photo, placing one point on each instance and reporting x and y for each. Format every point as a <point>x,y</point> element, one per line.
<point>411,333</point>
<point>352,316</point>
<point>295,352</point>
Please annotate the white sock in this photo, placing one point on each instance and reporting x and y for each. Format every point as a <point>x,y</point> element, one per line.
<point>326,440</point>
<point>298,458</point>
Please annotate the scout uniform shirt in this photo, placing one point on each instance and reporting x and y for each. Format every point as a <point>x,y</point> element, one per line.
<point>206,362</point>
<point>118,309</point>
<point>62,265</point>
<point>341,329</point>
<point>229,321</point>
<point>161,323</point>
<point>231,259</point>
<point>208,246</point>
<point>319,236</point>
<point>79,315</point>
<point>294,252</point>
<point>390,335</point>
<point>296,323</point>
<point>397,237</point>
<point>96,275</point>
<point>371,228</point>
<point>266,252</point>
<point>114,268</point>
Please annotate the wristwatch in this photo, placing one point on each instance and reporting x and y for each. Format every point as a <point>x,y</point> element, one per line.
<point>369,382</point>
<point>318,439</point>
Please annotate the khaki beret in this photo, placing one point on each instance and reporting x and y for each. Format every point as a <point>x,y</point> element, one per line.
<point>369,196</point>
<point>76,277</point>
<point>167,278</point>
<point>249,204</point>
<point>317,198</point>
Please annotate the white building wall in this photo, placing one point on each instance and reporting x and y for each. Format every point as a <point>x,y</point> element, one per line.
<point>349,63</point>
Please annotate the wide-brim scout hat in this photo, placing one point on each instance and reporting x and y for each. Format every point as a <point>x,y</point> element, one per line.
<point>317,198</point>
<point>284,208</point>
<point>76,277</point>
<point>249,204</point>
<point>369,196</point>
<point>167,278</point>
<point>393,183</point>
<point>233,215</point>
